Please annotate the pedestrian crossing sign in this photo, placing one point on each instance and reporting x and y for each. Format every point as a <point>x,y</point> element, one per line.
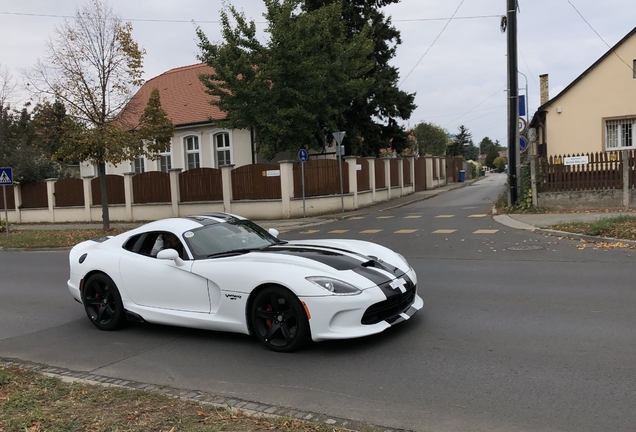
<point>6,176</point>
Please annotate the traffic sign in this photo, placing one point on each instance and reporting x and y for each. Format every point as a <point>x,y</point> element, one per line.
<point>523,125</point>
<point>6,176</point>
<point>523,144</point>
<point>302,155</point>
<point>339,137</point>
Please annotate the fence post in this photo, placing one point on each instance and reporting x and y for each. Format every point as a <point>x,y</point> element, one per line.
<point>401,175</point>
<point>442,171</point>
<point>286,186</point>
<point>387,175</point>
<point>17,199</point>
<point>429,173</point>
<point>371,161</point>
<point>533,180</point>
<point>175,190</point>
<point>411,160</point>
<point>88,197</point>
<point>226,182</point>
<point>625,160</point>
<point>50,197</point>
<point>352,162</point>
<point>128,194</point>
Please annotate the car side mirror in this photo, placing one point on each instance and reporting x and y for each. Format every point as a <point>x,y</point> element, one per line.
<point>273,232</point>
<point>170,254</point>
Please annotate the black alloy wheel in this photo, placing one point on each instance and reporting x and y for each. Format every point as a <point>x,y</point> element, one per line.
<point>103,303</point>
<point>279,320</point>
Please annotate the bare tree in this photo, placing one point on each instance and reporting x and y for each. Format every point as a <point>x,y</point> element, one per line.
<point>94,66</point>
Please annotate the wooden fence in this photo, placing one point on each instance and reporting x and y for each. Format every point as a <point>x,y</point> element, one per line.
<point>34,195</point>
<point>201,184</point>
<point>362,175</point>
<point>395,175</point>
<point>603,170</point>
<point>69,192</point>
<point>257,181</point>
<point>151,187</point>
<point>420,174</point>
<point>380,181</point>
<point>10,198</point>
<point>322,177</point>
<point>114,190</point>
<point>406,165</point>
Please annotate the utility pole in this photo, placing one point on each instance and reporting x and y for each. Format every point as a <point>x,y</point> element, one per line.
<point>513,104</point>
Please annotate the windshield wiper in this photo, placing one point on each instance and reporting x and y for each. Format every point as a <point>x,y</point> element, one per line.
<point>233,252</point>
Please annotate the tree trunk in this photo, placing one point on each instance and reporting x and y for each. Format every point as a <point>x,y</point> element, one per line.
<point>101,171</point>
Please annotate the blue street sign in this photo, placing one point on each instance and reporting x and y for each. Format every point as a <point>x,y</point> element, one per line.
<point>6,176</point>
<point>302,155</point>
<point>523,144</point>
<point>522,105</point>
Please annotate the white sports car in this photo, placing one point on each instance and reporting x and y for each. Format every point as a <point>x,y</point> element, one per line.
<point>219,271</point>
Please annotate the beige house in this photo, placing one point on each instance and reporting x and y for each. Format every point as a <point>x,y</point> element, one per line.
<point>197,141</point>
<point>596,112</point>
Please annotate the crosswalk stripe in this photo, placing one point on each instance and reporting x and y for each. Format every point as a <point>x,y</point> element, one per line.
<point>484,231</point>
<point>356,218</point>
<point>444,216</point>
<point>477,215</point>
<point>412,217</point>
<point>384,217</point>
<point>444,231</point>
<point>371,231</point>
<point>338,231</point>
<point>405,231</point>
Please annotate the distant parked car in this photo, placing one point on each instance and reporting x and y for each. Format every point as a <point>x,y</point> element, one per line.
<point>222,272</point>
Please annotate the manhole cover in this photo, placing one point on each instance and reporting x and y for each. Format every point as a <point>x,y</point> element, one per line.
<point>525,248</point>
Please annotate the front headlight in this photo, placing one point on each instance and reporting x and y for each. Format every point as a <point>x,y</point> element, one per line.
<point>405,261</point>
<point>334,286</point>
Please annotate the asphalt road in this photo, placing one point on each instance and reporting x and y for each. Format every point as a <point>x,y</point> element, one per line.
<point>520,332</point>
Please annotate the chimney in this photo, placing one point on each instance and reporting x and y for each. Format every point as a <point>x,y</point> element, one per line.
<point>544,88</point>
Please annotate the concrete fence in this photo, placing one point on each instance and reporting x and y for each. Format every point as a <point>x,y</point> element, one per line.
<point>290,205</point>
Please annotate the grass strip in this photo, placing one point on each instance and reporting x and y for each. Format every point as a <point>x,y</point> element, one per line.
<point>619,227</point>
<point>32,239</point>
<point>30,401</point>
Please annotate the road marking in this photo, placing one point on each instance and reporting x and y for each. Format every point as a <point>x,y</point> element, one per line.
<point>309,232</point>
<point>384,217</point>
<point>486,231</point>
<point>478,215</point>
<point>412,217</point>
<point>338,231</point>
<point>373,231</point>
<point>405,231</point>
<point>444,216</point>
<point>282,231</point>
<point>356,218</point>
<point>444,231</point>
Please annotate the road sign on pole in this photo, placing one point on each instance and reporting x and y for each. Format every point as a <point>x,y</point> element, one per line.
<point>523,144</point>
<point>6,179</point>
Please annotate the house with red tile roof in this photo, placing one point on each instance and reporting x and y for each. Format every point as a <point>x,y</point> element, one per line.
<point>197,142</point>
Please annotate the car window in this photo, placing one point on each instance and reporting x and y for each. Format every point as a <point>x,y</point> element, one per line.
<point>131,243</point>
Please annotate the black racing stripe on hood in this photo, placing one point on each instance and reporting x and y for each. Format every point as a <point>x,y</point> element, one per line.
<point>333,259</point>
<point>371,260</point>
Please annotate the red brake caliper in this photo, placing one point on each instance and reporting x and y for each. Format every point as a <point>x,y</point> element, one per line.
<point>268,309</point>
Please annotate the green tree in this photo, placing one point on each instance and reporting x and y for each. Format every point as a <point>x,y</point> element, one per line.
<point>93,67</point>
<point>372,118</point>
<point>500,164</point>
<point>471,151</point>
<point>491,155</point>
<point>484,145</point>
<point>294,89</point>
<point>431,139</point>
<point>462,138</point>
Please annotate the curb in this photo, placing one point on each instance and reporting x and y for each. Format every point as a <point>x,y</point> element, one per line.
<point>234,404</point>
<point>574,236</point>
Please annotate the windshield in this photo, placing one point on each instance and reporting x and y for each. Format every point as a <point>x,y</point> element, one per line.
<point>228,238</point>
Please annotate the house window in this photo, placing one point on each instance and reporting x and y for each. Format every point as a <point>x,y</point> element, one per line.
<point>619,133</point>
<point>193,158</point>
<point>165,163</point>
<point>223,149</point>
<point>139,165</point>
<point>634,68</point>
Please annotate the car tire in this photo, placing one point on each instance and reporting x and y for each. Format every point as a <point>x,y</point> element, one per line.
<point>102,302</point>
<point>279,320</point>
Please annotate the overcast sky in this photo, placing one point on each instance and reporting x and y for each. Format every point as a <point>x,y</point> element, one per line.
<point>458,68</point>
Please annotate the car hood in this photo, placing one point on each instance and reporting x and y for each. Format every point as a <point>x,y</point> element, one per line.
<point>341,259</point>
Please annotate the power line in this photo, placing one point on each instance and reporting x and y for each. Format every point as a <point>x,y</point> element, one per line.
<point>429,48</point>
<point>599,36</point>
<point>482,102</point>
